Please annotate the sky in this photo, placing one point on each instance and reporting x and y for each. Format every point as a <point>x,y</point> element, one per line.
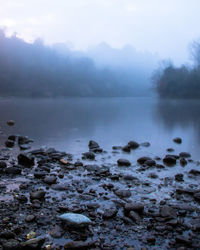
<point>166,27</point>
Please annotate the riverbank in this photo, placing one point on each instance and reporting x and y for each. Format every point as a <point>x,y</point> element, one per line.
<point>140,204</point>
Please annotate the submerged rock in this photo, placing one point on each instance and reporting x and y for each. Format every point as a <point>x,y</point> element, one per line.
<point>123,193</point>
<point>39,195</point>
<point>143,159</point>
<point>177,140</point>
<point>133,144</point>
<point>10,123</point>
<point>123,162</point>
<point>88,155</point>
<point>74,219</point>
<point>170,160</point>
<point>9,143</point>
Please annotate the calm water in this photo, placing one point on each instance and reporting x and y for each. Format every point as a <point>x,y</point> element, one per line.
<point>68,124</point>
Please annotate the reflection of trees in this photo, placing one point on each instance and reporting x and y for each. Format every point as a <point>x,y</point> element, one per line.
<point>183,113</point>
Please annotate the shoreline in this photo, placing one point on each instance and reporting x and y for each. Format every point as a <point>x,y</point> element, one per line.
<point>125,210</point>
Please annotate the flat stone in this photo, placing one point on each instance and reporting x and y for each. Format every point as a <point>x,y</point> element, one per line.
<point>74,219</point>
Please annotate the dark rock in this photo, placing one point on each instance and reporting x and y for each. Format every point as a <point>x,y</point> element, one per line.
<point>167,211</point>
<point>9,143</point>
<point>153,175</point>
<point>160,166</point>
<point>50,180</point>
<point>24,146</point>
<point>12,137</point>
<point>169,160</point>
<point>79,245</point>
<point>150,163</point>
<point>197,196</point>
<point>194,172</point>
<point>26,160</point>
<point>39,174</point>
<point>56,232</point>
<point>170,150</point>
<point>13,170</point>
<point>11,245</point>
<point>109,213</point>
<point>185,155</point>
<point>134,216</point>
<point>137,207</point>
<point>10,123</point>
<point>93,144</point>
<point>133,144</point>
<point>123,193</point>
<point>143,159</point>
<point>30,218</point>
<point>88,155</point>
<point>183,240</point>
<point>177,140</point>
<point>126,149</point>
<point>3,164</point>
<point>116,147</point>
<point>40,194</point>
<point>183,162</point>
<point>7,235</point>
<point>24,140</point>
<point>179,177</point>
<point>123,162</point>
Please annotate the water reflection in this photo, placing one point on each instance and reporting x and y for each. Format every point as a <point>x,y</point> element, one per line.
<point>182,114</point>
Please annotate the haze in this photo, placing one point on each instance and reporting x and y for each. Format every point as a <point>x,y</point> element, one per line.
<point>163,27</point>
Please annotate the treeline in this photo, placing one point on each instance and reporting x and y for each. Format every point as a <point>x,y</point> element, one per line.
<point>36,70</point>
<point>180,82</point>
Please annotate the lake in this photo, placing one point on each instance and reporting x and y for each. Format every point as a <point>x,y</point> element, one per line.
<point>68,124</point>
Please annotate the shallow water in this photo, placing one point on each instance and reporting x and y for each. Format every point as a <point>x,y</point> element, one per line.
<point>68,124</point>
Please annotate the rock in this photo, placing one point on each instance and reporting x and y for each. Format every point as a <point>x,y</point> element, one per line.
<point>126,149</point>
<point>10,123</point>
<point>93,144</point>
<point>183,240</point>
<point>150,163</point>
<point>24,140</point>
<point>26,160</point>
<point>183,162</point>
<point>7,235</point>
<point>123,162</point>
<point>194,172</point>
<point>79,245</point>
<point>56,232</point>
<point>88,155</point>
<point>11,245</point>
<point>39,174</point>
<point>177,140</point>
<point>153,175</point>
<point>39,195</point>
<point>50,180</point>
<point>109,213</point>
<point>197,196</point>
<point>116,147</point>
<point>12,137</point>
<point>143,159</point>
<point>133,144</point>
<point>3,164</point>
<point>9,143</point>
<point>170,150</point>
<point>185,155</point>
<point>169,160</point>
<point>145,144</point>
<point>30,218</point>
<point>167,211</point>
<point>13,170</point>
<point>134,216</point>
<point>123,193</point>
<point>179,177</point>
<point>24,146</point>
<point>73,219</point>
<point>133,206</point>
<point>35,243</point>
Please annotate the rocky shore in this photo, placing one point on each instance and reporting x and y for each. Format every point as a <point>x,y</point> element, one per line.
<point>53,200</point>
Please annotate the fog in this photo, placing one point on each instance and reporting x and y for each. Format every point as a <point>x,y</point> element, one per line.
<point>34,70</point>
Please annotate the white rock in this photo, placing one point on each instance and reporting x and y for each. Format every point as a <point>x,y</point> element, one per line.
<point>75,219</point>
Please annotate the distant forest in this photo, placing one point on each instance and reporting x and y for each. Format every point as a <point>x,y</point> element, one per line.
<point>36,70</point>
<point>180,82</point>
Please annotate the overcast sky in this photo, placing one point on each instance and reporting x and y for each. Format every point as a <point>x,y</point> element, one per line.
<point>163,26</point>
